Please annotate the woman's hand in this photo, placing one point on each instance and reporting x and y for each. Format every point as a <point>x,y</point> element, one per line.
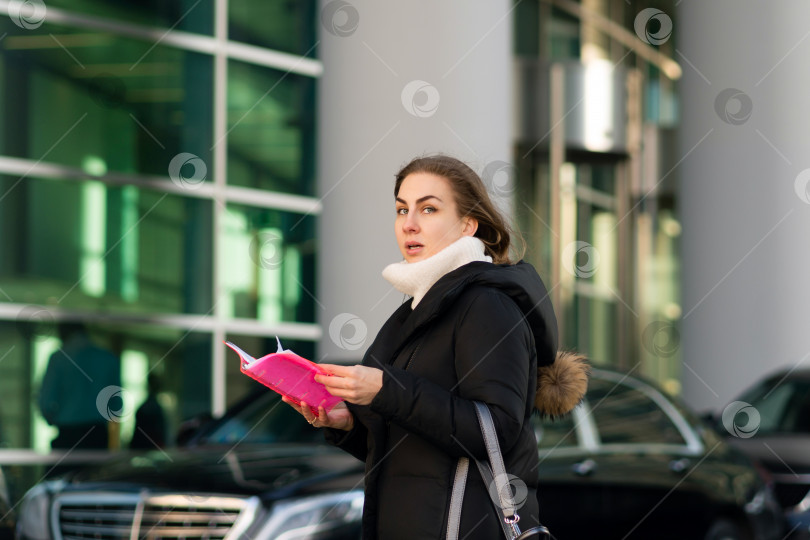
<point>338,418</point>
<point>355,384</point>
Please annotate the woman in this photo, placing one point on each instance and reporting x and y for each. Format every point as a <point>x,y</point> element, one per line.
<point>476,328</point>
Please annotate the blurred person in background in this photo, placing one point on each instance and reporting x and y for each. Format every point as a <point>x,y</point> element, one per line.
<point>150,420</point>
<point>76,375</point>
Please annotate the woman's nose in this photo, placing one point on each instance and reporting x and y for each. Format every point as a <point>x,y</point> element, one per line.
<point>410,223</point>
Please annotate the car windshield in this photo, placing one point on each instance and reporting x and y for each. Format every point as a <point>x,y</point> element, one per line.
<point>262,419</point>
<point>783,405</point>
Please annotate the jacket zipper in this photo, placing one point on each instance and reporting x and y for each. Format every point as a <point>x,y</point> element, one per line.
<point>410,359</point>
<point>412,355</point>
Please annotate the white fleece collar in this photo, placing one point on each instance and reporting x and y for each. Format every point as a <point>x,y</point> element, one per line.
<point>415,279</point>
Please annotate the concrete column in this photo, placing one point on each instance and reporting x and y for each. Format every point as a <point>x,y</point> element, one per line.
<point>401,79</point>
<point>744,204</point>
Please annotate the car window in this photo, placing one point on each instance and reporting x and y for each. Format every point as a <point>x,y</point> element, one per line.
<point>783,405</point>
<point>624,414</point>
<point>558,433</point>
<point>264,420</point>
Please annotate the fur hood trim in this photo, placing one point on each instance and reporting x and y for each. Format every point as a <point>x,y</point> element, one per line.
<point>561,386</point>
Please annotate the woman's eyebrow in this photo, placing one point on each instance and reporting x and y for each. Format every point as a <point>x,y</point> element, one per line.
<point>420,199</point>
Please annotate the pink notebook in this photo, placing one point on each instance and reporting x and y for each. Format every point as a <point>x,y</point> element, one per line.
<point>290,375</point>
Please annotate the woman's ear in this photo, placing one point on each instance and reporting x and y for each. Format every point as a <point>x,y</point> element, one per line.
<point>470,226</point>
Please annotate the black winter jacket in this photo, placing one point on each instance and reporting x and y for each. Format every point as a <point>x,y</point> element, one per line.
<point>478,334</point>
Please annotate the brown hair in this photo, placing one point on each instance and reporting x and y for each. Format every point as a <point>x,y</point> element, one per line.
<point>471,199</point>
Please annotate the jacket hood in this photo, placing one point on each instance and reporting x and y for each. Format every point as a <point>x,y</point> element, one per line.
<point>562,376</point>
<point>519,281</point>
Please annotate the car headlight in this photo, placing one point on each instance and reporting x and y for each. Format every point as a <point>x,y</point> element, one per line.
<point>305,518</point>
<point>34,519</point>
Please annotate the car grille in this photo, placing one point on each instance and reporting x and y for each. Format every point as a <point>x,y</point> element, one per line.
<point>116,516</point>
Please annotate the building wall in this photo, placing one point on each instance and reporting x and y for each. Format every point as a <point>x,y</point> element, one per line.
<point>401,80</point>
<point>744,200</point>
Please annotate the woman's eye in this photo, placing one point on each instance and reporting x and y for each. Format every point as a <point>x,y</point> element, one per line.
<point>429,210</point>
<point>402,211</point>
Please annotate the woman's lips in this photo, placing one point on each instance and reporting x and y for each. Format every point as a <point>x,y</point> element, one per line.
<point>412,248</point>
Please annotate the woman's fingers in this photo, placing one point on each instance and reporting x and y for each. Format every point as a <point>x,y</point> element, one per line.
<point>340,418</point>
<point>302,408</point>
<point>337,374</point>
<point>356,384</point>
<point>336,369</point>
<point>306,412</point>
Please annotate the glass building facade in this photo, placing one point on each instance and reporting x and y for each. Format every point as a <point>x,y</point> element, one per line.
<point>598,112</point>
<point>157,184</point>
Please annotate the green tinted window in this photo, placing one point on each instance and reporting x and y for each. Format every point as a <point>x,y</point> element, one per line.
<point>101,102</point>
<point>89,245</point>
<point>284,26</point>
<point>592,326</point>
<point>267,264</point>
<point>107,118</point>
<point>186,15</point>
<point>597,264</point>
<point>271,129</point>
<point>178,361</point>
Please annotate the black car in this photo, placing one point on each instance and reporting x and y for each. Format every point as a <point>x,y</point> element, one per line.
<point>632,463</point>
<point>771,423</point>
<point>259,472</point>
<point>628,463</point>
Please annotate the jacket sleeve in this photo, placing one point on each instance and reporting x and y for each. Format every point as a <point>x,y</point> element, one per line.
<point>493,354</point>
<point>353,441</point>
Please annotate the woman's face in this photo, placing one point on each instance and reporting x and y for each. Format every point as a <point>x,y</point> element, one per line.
<point>427,217</point>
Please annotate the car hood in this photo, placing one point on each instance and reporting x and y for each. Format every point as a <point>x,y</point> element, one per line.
<point>271,471</point>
